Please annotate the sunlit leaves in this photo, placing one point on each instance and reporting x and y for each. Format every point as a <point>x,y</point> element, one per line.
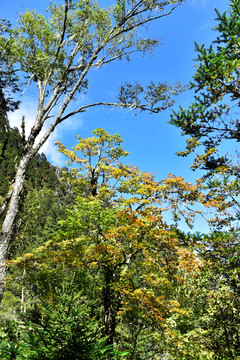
<point>212,120</point>
<point>57,49</point>
<point>115,235</point>
<point>216,298</point>
<point>216,85</point>
<point>154,97</point>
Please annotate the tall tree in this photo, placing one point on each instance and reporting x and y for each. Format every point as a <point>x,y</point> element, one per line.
<point>212,120</point>
<point>116,237</point>
<point>57,53</point>
<point>211,117</point>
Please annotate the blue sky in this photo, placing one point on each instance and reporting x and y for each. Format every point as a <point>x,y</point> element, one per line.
<point>151,141</point>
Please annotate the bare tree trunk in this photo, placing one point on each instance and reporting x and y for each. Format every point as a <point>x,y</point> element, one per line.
<point>23,295</point>
<point>6,126</point>
<point>110,310</point>
<point>11,214</point>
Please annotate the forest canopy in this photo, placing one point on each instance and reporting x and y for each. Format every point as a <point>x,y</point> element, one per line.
<point>94,261</point>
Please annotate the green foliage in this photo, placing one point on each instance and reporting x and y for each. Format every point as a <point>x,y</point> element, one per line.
<point>215,81</point>
<point>137,95</point>
<point>47,49</point>
<point>38,219</point>
<point>141,288</point>
<point>220,287</point>
<point>8,78</point>
<point>130,262</point>
<point>10,159</point>
<point>44,196</point>
<point>212,119</point>
<point>13,351</point>
<point>65,328</point>
<point>54,55</point>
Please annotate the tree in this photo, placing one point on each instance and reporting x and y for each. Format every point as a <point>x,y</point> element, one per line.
<point>210,118</point>
<point>219,283</point>
<point>211,328</point>
<point>116,238</point>
<point>63,330</point>
<point>66,329</point>
<point>210,121</point>
<point>44,195</point>
<point>8,86</point>
<point>56,54</point>
<point>213,119</point>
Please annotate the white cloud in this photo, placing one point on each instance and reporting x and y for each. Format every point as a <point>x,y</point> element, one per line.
<point>28,109</point>
<point>70,127</point>
<point>50,150</point>
<point>202,3</point>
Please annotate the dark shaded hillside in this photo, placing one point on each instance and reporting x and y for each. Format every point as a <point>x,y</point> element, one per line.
<point>4,125</point>
<point>40,172</point>
<point>45,196</point>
